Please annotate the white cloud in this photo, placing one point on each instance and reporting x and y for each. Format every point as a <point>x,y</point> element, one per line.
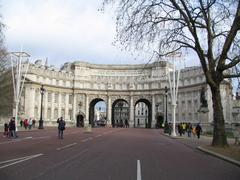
<point>61,30</point>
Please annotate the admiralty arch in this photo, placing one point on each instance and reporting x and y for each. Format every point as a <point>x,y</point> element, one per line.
<point>73,90</point>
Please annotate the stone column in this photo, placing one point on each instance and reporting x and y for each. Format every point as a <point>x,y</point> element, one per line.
<point>45,105</point>
<point>59,104</point>
<point>66,106</point>
<point>153,111</point>
<point>52,107</point>
<point>109,112</point>
<point>86,122</point>
<point>39,104</point>
<point>131,119</point>
<point>74,108</point>
<point>29,103</point>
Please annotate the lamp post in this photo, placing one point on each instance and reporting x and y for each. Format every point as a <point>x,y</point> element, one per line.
<point>166,112</point>
<point>42,90</point>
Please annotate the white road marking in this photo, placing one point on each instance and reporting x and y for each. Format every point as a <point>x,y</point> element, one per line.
<point>88,139</point>
<point>41,137</point>
<point>139,177</point>
<point>98,135</point>
<point>64,147</point>
<point>18,160</point>
<point>15,140</point>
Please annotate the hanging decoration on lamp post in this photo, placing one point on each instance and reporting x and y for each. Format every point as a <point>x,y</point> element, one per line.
<point>20,64</point>
<point>173,77</point>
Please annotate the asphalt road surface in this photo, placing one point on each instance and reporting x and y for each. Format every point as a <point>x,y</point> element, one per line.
<point>107,154</point>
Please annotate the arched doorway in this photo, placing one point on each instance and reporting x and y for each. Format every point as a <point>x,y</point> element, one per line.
<point>80,120</point>
<point>143,114</point>
<point>97,112</point>
<point>120,113</point>
<point>159,120</point>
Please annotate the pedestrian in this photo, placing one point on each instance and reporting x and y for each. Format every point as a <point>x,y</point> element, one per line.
<point>236,133</point>
<point>189,129</point>
<point>194,131</point>
<point>25,123</point>
<point>12,128</point>
<point>21,123</point>
<point>61,127</point>
<point>180,129</point>
<point>126,123</point>
<point>198,130</point>
<point>33,123</point>
<point>30,123</point>
<point>6,128</point>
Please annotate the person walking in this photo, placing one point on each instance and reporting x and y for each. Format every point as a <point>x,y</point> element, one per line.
<point>12,128</point>
<point>198,130</point>
<point>189,129</point>
<point>61,127</point>
<point>6,127</point>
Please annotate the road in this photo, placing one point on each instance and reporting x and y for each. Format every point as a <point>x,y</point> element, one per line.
<point>107,154</point>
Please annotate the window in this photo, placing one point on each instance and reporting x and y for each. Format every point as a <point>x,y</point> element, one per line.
<point>55,113</point>
<point>70,100</point>
<point>49,97</point>
<point>63,113</point>
<point>36,112</point>
<point>70,114</point>
<point>63,98</point>
<point>49,113</point>
<point>37,95</point>
<point>56,98</point>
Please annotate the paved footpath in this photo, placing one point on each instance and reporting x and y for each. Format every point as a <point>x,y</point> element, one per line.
<point>194,142</point>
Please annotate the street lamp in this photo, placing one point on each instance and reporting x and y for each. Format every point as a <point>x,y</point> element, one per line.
<point>166,111</point>
<point>42,90</point>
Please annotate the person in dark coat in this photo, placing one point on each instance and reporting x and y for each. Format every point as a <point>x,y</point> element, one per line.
<point>6,128</point>
<point>198,130</point>
<point>61,127</point>
<point>12,128</point>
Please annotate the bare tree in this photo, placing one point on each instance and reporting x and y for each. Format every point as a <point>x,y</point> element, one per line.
<point>4,62</point>
<point>210,28</point>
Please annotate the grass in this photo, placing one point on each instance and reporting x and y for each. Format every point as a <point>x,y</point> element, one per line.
<point>232,151</point>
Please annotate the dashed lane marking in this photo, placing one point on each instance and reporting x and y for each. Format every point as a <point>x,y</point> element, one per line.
<point>18,160</point>
<point>139,176</point>
<point>67,146</point>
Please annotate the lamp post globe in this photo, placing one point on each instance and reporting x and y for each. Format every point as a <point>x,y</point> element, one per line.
<point>42,90</point>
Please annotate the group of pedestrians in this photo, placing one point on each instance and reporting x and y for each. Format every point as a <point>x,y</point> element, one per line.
<point>189,129</point>
<point>28,123</point>
<point>10,129</point>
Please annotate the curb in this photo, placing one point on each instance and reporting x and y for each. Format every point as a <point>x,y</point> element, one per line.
<point>225,158</point>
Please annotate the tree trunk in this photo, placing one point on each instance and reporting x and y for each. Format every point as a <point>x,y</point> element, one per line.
<point>219,136</point>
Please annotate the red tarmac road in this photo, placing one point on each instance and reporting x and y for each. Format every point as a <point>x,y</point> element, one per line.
<point>107,154</point>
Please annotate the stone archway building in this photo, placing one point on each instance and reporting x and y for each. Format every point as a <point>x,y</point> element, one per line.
<point>78,86</point>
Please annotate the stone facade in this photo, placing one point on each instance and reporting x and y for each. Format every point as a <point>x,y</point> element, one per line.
<point>74,90</point>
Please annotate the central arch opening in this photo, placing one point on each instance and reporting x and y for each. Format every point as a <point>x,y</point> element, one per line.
<point>120,113</point>
<point>97,113</point>
<point>143,114</point>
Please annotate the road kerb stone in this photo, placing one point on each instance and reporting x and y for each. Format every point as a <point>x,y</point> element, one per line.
<point>219,155</point>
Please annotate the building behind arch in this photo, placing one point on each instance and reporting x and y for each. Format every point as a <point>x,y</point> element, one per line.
<point>73,89</point>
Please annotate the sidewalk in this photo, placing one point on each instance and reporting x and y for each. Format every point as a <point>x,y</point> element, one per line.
<point>202,143</point>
